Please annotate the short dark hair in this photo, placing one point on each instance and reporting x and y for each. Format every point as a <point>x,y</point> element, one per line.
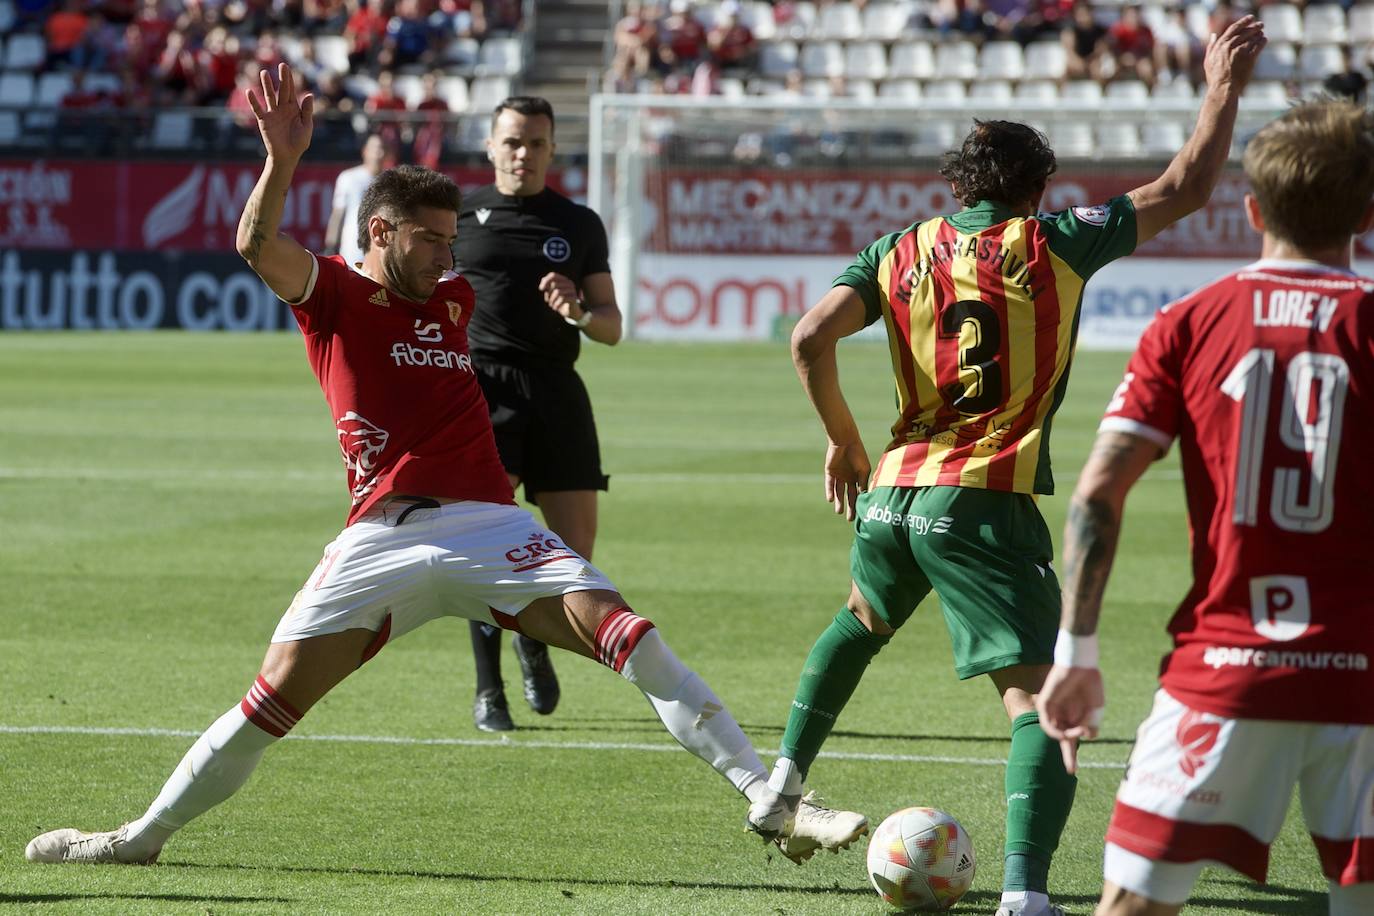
<point>1003,161</point>
<point>398,193</point>
<point>526,105</point>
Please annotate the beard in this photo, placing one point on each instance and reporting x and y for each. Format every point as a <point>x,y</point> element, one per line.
<point>399,277</point>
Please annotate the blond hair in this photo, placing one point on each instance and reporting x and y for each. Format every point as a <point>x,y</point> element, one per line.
<point>1312,172</point>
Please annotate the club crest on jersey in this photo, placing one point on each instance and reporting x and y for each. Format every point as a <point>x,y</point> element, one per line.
<point>1093,216</point>
<point>557,249</point>
<point>455,310</point>
<point>379,298</point>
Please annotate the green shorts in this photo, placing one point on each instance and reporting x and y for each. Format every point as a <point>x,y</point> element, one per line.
<point>985,553</point>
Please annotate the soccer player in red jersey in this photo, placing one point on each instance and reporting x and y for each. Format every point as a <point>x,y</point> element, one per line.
<point>433,529</point>
<point>981,312</point>
<point>1266,379</point>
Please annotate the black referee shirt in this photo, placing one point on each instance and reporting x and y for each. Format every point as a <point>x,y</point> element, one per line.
<point>505,245</point>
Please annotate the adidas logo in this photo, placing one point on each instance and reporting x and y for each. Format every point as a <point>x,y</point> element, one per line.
<point>964,863</point>
<point>379,298</point>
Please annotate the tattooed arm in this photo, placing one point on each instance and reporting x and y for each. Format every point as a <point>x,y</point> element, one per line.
<point>286,124</point>
<point>1072,698</point>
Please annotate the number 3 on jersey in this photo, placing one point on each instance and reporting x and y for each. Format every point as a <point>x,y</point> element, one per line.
<point>1310,418</point>
<point>978,359</point>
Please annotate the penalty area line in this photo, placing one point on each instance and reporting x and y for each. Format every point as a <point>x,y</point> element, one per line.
<point>514,744</point>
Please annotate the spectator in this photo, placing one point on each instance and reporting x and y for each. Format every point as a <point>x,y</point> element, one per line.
<point>80,97</point>
<point>386,102</point>
<point>636,35</point>
<point>332,93</point>
<point>731,43</point>
<point>65,32</point>
<point>494,17</point>
<point>268,52</point>
<point>175,71</point>
<point>323,17</point>
<point>1349,84</point>
<point>217,65</point>
<point>365,31</point>
<point>408,37</point>
<point>1042,19</point>
<point>1085,40</point>
<point>428,146</point>
<point>621,78</point>
<point>682,40</point>
<point>241,115</point>
<point>154,24</point>
<point>1133,44</point>
<point>706,79</point>
<point>1178,52</point>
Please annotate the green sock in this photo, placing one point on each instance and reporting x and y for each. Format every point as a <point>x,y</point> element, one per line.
<point>1039,796</point>
<point>833,669</point>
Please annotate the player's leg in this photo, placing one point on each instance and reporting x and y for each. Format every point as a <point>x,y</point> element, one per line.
<point>1117,901</point>
<point>1337,792</point>
<point>294,676</point>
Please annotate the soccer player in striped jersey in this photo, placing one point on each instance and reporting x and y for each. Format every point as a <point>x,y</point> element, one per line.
<point>981,310</point>
<point>1266,379</point>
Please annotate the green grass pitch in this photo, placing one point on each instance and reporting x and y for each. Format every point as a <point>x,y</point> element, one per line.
<point>163,496</point>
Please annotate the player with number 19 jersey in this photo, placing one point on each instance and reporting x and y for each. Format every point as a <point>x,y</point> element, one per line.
<point>981,310</point>
<point>1266,378</point>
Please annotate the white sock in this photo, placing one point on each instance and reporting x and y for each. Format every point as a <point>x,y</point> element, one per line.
<point>786,778</point>
<point>213,769</point>
<point>1029,902</point>
<point>693,714</point>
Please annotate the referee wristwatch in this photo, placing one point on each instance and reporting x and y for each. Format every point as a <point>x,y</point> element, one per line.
<point>582,322</point>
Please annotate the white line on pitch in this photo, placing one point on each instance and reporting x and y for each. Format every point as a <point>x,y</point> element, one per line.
<point>507,743</point>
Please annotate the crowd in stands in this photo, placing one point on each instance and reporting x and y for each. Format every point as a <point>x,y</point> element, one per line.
<point>864,48</point>
<point>354,55</point>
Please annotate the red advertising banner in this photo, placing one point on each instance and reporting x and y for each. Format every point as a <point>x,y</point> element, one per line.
<point>697,211</point>
<point>168,206</point>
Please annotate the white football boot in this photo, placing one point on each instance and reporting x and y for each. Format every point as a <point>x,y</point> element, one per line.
<point>68,845</point>
<point>801,825</point>
<point>1048,909</point>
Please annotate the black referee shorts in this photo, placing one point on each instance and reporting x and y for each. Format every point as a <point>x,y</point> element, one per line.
<point>544,427</point>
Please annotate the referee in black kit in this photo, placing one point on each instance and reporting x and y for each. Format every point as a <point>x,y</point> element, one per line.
<point>540,266</point>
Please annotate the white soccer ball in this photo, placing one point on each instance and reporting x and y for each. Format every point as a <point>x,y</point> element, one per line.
<point>920,859</point>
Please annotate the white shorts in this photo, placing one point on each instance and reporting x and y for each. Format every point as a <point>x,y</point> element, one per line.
<point>482,561</point>
<point>1204,789</point>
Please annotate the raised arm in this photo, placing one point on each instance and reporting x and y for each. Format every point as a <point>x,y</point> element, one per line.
<point>839,314</point>
<point>1072,699</point>
<point>286,123</point>
<point>1187,183</point>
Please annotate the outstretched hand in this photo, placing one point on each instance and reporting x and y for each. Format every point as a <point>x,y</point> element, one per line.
<point>846,476</point>
<point>1231,55</point>
<point>285,121</point>
<point>1070,705</point>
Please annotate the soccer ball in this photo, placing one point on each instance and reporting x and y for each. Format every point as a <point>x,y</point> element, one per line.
<point>920,859</point>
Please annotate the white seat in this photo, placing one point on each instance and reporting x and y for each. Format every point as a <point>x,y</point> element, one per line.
<point>1323,23</point>
<point>1195,17</point>
<point>802,22</point>
<point>1162,137</point>
<point>500,57</point>
<point>9,127</point>
<point>108,83</point>
<point>1128,94</point>
<point>6,16</point>
<point>1361,25</point>
<point>902,90</point>
<point>778,58</point>
<point>1317,62</point>
<point>1177,93</point>
<point>820,59</point>
<point>816,89</point>
<point>1081,94</point>
<point>361,85</point>
<point>1046,60</point>
<point>1278,61</point>
<point>838,21</point>
<point>1043,92</point>
<point>16,90</point>
<point>25,52</point>
<point>864,90</point>
<point>764,87</point>
<point>454,90</point>
<point>332,52</point>
<point>732,87</point>
<point>52,88</point>
<point>1072,138</point>
<point>1001,60</point>
<point>884,21</point>
<point>460,54</point>
<point>172,130</point>
<point>1118,138</point>
<point>991,93</point>
<point>956,60</point>
<point>865,60</point>
<point>758,18</point>
<point>486,92</point>
<point>914,60</point>
<point>1265,94</point>
<point>1282,22</point>
<point>410,87</point>
<point>945,92</point>
<point>934,137</point>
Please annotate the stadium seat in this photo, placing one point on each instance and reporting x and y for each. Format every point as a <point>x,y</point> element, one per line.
<point>885,21</point>
<point>778,58</point>
<point>410,87</point>
<point>1001,60</point>
<point>1278,61</point>
<point>1118,138</point>
<point>1072,138</point>
<point>172,130</point>
<point>1162,137</point>
<point>991,93</point>
<point>362,85</point>
<point>1361,27</point>
<point>1320,61</point>
<point>51,89</point>
<point>838,22</point>
<point>16,90</point>
<point>1037,92</point>
<point>732,88</point>
<point>460,55</point>
<point>486,92</point>
<point>1195,17</point>
<point>821,59</point>
<point>914,60</point>
<point>764,87</point>
<point>104,82</point>
<point>500,57</point>
<point>1324,23</point>
<point>956,60</point>
<point>1045,60</point>
<point>6,16</point>
<point>900,90</point>
<point>1081,94</point>
<point>1264,94</point>
<point>758,18</point>
<point>934,137</point>
<point>863,90</point>
<point>9,128</point>
<point>25,52</point>
<point>1128,94</point>
<point>802,22</point>
<point>1282,22</point>
<point>1177,94</point>
<point>865,60</point>
<point>332,52</point>
<point>945,92</point>
<point>290,46</point>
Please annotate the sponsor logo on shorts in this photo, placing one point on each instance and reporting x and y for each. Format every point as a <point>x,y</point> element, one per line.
<point>541,548</point>
<point>921,524</point>
<point>1196,737</point>
<point>1178,788</point>
<point>1217,657</point>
